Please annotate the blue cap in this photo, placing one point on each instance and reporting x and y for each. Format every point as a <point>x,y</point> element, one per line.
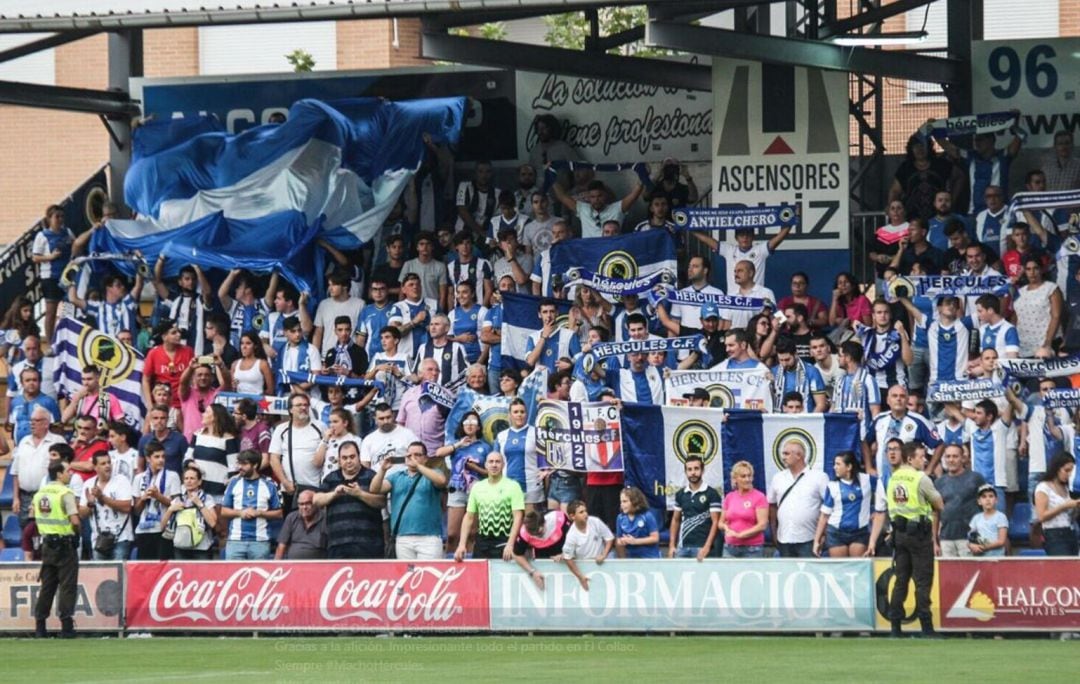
<point>709,311</point>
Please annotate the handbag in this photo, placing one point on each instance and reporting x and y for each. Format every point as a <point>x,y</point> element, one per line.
<point>391,542</point>
<point>105,544</point>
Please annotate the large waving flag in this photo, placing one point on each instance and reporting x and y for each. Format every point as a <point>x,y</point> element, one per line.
<point>332,171</point>
<point>520,319</point>
<point>78,345</point>
<point>655,456</point>
<point>621,257</point>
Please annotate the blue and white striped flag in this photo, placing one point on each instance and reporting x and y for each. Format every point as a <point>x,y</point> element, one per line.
<point>623,257</point>
<point>77,345</point>
<point>521,318</point>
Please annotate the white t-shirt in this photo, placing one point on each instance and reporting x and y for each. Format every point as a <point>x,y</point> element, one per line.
<point>589,544</point>
<point>797,518</point>
<point>757,254</point>
<point>328,310</point>
<point>740,318</point>
<point>168,483</point>
<point>298,463</point>
<point>378,445</point>
<point>110,520</point>
<point>124,464</point>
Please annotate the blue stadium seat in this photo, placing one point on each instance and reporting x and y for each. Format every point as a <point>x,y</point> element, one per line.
<point>11,555</point>
<point>1032,552</point>
<point>12,531</point>
<point>1020,524</point>
<point>7,490</point>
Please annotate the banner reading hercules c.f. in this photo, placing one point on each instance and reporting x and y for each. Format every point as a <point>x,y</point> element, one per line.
<point>780,136</point>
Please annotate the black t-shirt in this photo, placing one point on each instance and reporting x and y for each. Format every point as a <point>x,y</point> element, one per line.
<point>919,187</point>
<point>350,520</point>
<point>802,345</point>
<point>391,275</point>
<point>697,509</point>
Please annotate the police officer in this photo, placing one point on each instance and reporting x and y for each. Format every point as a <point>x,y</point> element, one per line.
<point>914,505</point>
<point>57,515</point>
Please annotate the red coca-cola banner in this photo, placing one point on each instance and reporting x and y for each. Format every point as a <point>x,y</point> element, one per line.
<point>1010,594</point>
<point>313,595</point>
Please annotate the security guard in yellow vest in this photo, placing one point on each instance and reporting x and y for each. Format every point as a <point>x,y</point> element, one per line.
<point>57,516</point>
<point>914,505</point>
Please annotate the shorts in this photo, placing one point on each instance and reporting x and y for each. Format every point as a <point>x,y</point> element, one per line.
<point>459,498</point>
<point>837,537</point>
<point>51,291</point>
<point>535,493</point>
<point>564,488</point>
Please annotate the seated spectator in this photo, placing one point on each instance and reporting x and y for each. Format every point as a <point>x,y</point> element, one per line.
<point>849,305</point>
<point>636,529</point>
<point>817,314</point>
<point>303,536</point>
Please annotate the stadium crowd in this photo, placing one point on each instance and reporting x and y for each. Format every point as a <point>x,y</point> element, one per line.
<point>355,468</point>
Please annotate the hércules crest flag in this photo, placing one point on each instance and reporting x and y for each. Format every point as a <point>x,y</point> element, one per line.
<point>578,436</point>
<point>744,389</point>
<point>78,345</point>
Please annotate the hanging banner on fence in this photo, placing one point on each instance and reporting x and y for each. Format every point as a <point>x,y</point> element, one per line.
<point>1062,398</point>
<point>780,134</point>
<point>965,390</point>
<point>1010,594</point>
<point>883,585</point>
<point>269,405</point>
<point>314,596</point>
<point>603,119</point>
<point>735,217</point>
<point>745,389</point>
<point>99,597</point>
<point>959,285</point>
<point>1041,368</point>
<point>583,437</point>
<point>736,595</point>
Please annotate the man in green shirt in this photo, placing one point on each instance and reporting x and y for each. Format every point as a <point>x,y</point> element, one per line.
<point>498,505</point>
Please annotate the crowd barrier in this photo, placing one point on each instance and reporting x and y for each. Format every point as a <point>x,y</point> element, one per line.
<point>772,595</point>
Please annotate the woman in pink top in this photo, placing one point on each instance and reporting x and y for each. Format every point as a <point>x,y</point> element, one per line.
<point>848,303</point>
<point>746,513</point>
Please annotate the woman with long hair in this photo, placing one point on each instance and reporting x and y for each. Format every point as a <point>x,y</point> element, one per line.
<point>920,177</point>
<point>1055,509</point>
<point>849,304</point>
<point>18,324</point>
<point>589,310</point>
<point>214,447</point>
<point>637,534</point>
<point>205,511</point>
<point>745,515</point>
<point>763,332</point>
<point>251,373</point>
<point>844,525</point>
<point>338,432</point>
<point>467,453</point>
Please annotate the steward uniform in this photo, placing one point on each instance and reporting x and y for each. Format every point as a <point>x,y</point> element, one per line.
<point>53,505</point>
<point>909,495</point>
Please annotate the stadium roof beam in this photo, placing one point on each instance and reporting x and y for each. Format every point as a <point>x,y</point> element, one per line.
<point>499,53</point>
<point>109,103</point>
<point>605,43</point>
<point>797,52</point>
<point>55,40</point>
<point>870,17</point>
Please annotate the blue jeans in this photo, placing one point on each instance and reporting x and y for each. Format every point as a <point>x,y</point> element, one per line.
<point>687,551</point>
<point>756,551</point>
<point>247,550</point>
<point>1060,541</point>
<point>121,552</point>
<point>799,550</point>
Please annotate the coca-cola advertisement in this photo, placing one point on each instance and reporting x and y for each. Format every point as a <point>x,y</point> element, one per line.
<point>1010,594</point>
<point>313,595</point>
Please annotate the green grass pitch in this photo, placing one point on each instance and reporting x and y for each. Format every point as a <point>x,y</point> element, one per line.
<point>585,659</point>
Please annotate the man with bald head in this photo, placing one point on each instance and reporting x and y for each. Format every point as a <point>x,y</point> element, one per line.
<point>795,496</point>
<point>900,422</point>
<point>419,411</point>
<point>30,464</point>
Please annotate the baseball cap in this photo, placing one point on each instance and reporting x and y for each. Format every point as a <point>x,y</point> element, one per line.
<point>985,488</point>
<point>710,311</point>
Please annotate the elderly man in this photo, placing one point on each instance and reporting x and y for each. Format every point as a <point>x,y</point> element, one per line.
<point>30,465</point>
<point>795,496</point>
<point>303,536</point>
<point>420,412</point>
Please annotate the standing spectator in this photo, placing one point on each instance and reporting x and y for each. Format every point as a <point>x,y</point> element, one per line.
<point>354,519</point>
<point>464,322</point>
<point>32,357</point>
<point>1056,511</point>
<point>746,286</point>
<point>959,487</point>
<point>29,398</point>
<point>389,366</point>
<point>468,268</point>
<point>244,310</point>
<point>197,391</point>
<point>387,440</point>
<point>683,318</point>
<point>941,219</point>
<point>434,285</point>
<point>295,355</point>
<point>303,536</point>
<point>637,534</point>
<point>415,496</point>
<point>251,373</point>
<point>154,490</point>
<point>541,536</point>
<point>695,520</point>
<point>844,526</point>
<point>476,200</point>
<point>666,184</point>
<point>93,400</point>
<point>553,341</point>
<point>1039,307</point>
<point>985,163</point>
<point>389,273</point>
<point>916,249</point>
<point>886,347</point>
<point>544,282</point>
<point>51,251</point>
<point>856,391</point>
<point>448,356</point>
<point>792,374</point>
<point>517,444</point>
<point>745,248</point>
<point>166,363</point>
<point>989,528</point>
<point>292,450</point>
<point>598,209</point>
<point>468,455</point>
<point>125,459</point>
<point>187,303</point>
<point>345,358</point>
<point>523,193</point>
<point>107,501</point>
<point>29,467</point>
<point>588,538</point>
<point>287,304</point>
<point>338,432</point>
<point>338,303</point>
<point>549,145</point>
<point>88,442</point>
<point>191,518</point>
<point>506,218</point>
<point>172,441</point>
<point>920,177</point>
<point>374,317</point>
<point>1062,169</point>
<point>218,343</point>
<point>214,448</point>
<point>990,229</point>
<point>249,504</point>
<point>538,231</point>
<point>514,261</point>
<point>900,422</point>
<point>745,515</point>
<point>412,314</point>
<point>975,255</point>
<point>795,497</point>
<point>497,503</point>
<point>826,361</point>
<point>419,413</point>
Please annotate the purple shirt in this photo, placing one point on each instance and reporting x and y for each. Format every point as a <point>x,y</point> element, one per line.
<point>425,418</point>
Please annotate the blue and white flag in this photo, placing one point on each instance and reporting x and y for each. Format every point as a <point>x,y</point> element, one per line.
<point>655,457</point>
<point>267,404</point>
<point>972,124</point>
<point>965,390</point>
<point>78,345</point>
<point>664,344</point>
<point>749,389</point>
<point>433,391</point>
<point>614,288</point>
<point>690,297</point>
<point>333,171</point>
<point>1051,199</point>
<point>1041,368</point>
<point>521,318</point>
<point>623,257</point>
<point>735,217</point>
<point>959,285</point>
<point>1062,398</point>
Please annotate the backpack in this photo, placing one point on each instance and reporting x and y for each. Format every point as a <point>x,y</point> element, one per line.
<point>189,531</point>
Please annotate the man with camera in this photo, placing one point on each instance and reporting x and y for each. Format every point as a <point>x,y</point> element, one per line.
<point>106,501</point>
